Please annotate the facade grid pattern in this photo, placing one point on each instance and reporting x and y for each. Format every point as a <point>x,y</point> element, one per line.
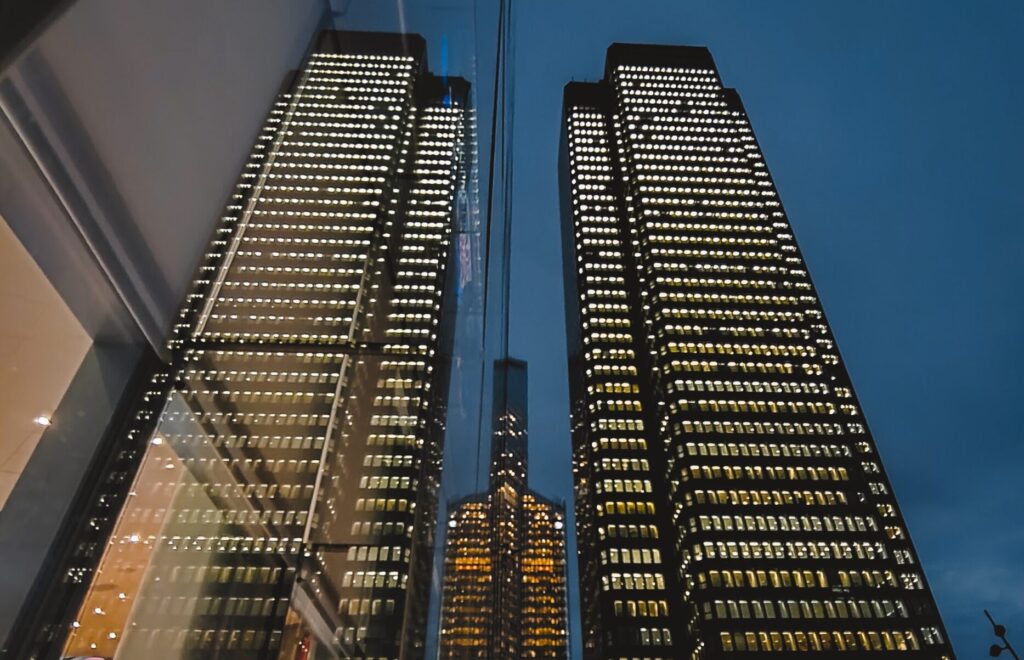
<point>504,591</point>
<point>699,349</point>
<point>285,504</point>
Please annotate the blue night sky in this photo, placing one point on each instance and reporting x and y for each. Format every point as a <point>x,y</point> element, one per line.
<point>893,131</point>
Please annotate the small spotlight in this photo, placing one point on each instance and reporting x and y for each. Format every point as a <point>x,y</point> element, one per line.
<point>42,420</point>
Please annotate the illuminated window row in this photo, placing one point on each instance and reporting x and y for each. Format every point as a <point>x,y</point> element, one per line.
<point>730,314</point>
<point>689,253</point>
<point>296,256</point>
<point>767,407</point>
<point>370,579</point>
<point>804,523</point>
<point>267,396</point>
<point>737,299</point>
<point>764,497</point>
<point>215,574</point>
<point>722,348</point>
<point>620,444</point>
<point>631,581</point>
<point>762,579</point>
<point>763,428</point>
<point>631,556</point>
<point>853,641</point>
<point>363,606</point>
<point>806,609</point>
<point>752,387</point>
<point>736,331</point>
<point>834,550</point>
<point>379,528</point>
<point>382,504</point>
<point>628,532</point>
<point>630,507</point>
<point>642,608</point>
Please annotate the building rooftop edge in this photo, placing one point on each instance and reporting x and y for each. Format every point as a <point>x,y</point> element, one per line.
<point>626,53</point>
<point>577,93</point>
<point>371,43</point>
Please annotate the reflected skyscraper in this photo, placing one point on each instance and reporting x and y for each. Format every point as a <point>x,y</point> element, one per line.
<point>275,496</point>
<point>504,592</point>
<point>729,496</point>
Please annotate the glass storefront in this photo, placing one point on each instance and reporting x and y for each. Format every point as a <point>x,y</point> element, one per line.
<point>273,486</point>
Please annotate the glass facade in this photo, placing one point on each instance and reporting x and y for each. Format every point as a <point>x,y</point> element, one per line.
<point>285,499</point>
<point>729,496</point>
<point>467,612</point>
<point>505,591</point>
<point>323,452</point>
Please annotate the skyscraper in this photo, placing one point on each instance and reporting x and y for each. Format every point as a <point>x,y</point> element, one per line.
<point>543,599</point>
<point>508,479</point>
<point>504,592</point>
<point>729,496</point>
<point>275,494</point>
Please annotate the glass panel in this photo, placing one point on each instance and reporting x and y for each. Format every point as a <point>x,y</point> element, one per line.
<point>276,490</point>
<point>206,547</point>
<point>287,498</point>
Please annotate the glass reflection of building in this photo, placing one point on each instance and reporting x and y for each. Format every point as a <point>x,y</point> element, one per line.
<point>285,504</point>
<point>729,497</point>
<point>504,591</point>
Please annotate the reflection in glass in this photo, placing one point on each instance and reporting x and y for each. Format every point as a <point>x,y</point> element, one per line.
<point>285,505</point>
<point>504,593</point>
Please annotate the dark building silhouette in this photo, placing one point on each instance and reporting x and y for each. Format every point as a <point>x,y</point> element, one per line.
<point>275,494</point>
<point>504,592</point>
<point>729,496</point>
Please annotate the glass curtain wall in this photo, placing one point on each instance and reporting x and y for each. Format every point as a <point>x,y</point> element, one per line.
<point>274,491</point>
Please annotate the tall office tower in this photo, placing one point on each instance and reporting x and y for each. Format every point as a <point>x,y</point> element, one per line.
<point>729,496</point>
<point>467,607</point>
<point>504,592</point>
<point>285,504</point>
<point>543,600</point>
<point>508,477</point>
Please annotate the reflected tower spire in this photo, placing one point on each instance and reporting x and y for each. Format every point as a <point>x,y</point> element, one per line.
<point>504,593</point>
